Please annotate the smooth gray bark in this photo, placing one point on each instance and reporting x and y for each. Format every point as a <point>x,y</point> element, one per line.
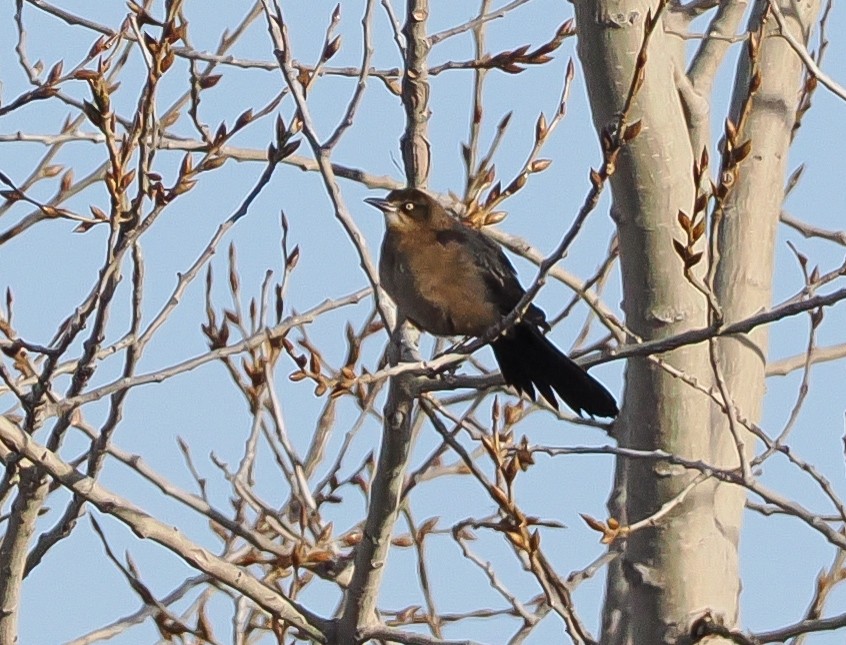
<point>672,573</point>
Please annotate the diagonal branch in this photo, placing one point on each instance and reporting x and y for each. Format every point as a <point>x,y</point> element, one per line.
<point>147,527</point>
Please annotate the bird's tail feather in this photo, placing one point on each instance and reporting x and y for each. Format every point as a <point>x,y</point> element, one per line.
<point>528,360</point>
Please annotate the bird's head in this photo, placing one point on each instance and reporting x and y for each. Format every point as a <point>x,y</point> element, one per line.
<point>406,208</point>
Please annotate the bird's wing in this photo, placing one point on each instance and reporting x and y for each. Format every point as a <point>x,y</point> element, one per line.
<point>499,274</point>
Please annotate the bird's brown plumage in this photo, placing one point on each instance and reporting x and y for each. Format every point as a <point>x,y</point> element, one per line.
<point>450,279</point>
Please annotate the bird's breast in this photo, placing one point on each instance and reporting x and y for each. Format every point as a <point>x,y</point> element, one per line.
<point>437,286</point>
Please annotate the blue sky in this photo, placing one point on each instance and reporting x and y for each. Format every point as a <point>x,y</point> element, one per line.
<point>50,270</point>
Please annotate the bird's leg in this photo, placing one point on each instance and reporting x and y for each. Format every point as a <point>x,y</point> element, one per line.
<point>457,347</point>
<point>406,341</point>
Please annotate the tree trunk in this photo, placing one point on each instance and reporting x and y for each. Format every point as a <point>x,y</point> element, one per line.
<point>671,574</point>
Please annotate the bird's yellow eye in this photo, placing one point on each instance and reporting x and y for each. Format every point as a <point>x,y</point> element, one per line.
<point>408,207</point>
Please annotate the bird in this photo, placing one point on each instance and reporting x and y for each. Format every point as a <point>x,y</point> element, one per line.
<point>449,279</point>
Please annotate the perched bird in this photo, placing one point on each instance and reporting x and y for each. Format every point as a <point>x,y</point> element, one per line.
<point>449,279</point>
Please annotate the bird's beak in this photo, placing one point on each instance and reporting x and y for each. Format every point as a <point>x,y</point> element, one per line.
<point>382,204</point>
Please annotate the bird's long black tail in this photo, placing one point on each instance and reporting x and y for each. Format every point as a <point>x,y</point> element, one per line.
<point>528,360</point>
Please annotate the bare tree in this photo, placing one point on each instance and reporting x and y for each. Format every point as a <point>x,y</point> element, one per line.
<point>124,148</point>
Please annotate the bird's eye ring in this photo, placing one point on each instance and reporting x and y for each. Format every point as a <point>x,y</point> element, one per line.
<point>408,206</point>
